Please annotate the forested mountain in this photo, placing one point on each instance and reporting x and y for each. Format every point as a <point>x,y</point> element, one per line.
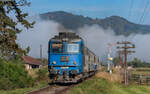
<point>120,25</point>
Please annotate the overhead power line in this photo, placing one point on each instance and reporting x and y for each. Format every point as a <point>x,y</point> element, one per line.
<point>130,9</point>
<point>144,11</point>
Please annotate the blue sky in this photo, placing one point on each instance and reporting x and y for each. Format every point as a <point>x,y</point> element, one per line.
<point>94,8</point>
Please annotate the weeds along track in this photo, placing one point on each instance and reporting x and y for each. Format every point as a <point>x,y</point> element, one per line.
<point>56,89</point>
<point>53,89</point>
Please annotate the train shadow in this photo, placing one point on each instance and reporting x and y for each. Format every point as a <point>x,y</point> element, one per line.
<point>65,84</point>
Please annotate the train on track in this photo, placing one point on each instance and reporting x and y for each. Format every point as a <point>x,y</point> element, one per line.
<point>69,61</point>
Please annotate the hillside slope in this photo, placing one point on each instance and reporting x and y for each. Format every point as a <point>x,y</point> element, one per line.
<point>120,25</point>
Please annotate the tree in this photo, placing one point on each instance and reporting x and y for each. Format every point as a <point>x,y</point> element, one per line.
<point>115,61</point>
<point>135,62</point>
<point>8,27</point>
<point>138,63</point>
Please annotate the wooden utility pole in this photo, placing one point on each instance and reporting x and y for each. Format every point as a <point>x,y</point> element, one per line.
<point>125,46</point>
<point>120,58</point>
<point>41,52</point>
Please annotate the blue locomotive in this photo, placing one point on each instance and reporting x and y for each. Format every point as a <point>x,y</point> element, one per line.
<point>69,60</point>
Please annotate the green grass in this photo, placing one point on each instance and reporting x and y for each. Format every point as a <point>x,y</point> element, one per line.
<point>142,71</point>
<point>102,86</point>
<point>24,90</point>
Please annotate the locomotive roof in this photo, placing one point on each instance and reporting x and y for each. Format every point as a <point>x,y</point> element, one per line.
<point>66,37</point>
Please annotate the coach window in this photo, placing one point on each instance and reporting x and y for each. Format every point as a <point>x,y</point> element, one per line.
<point>89,59</point>
<point>94,59</point>
<point>57,48</point>
<point>98,60</point>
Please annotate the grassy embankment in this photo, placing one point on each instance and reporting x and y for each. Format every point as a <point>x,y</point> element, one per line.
<point>24,90</point>
<point>102,86</point>
<point>103,83</point>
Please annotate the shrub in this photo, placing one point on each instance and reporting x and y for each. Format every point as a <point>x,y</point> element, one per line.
<point>42,74</point>
<point>13,75</point>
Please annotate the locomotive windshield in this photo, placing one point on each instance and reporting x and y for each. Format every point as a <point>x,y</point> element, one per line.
<point>57,48</point>
<point>72,48</point>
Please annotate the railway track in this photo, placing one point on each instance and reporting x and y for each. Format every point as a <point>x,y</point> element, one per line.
<point>52,89</point>
<point>56,89</point>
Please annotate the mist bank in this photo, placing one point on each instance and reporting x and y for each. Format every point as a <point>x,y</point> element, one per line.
<point>95,38</point>
<point>39,35</point>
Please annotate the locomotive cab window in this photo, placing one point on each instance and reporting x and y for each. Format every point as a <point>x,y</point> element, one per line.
<point>57,48</point>
<point>72,48</point>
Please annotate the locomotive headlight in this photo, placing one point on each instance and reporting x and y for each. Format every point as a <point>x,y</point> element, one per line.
<point>75,62</point>
<point>54,62</point>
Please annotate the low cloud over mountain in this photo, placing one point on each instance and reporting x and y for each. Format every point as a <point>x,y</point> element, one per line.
<point>120,25</point>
